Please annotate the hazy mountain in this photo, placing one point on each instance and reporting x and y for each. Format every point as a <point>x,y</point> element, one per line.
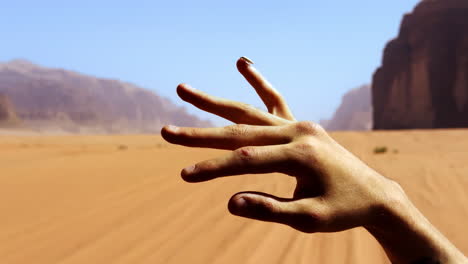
<point>354,112</point>
<point>58,99</point>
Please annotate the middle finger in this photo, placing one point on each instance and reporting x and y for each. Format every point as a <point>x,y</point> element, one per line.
<point>230,137</point>
<point>236,112</point>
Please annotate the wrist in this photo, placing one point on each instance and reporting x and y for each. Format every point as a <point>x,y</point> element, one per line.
<point>406,235</point>
<point>396,225</point>
<point>392,207</point>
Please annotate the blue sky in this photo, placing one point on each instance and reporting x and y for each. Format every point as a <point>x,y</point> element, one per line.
<point>312,51</point>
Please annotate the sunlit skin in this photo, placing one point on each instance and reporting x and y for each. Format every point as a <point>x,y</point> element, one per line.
<point>335,190</point>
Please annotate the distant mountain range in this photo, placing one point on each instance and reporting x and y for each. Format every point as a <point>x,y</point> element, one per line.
<point>354,112</point>
<point>46,99</point>
<point>42,99</point>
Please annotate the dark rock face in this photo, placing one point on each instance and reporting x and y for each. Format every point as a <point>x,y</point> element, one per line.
<point>354,112</point>
<point>423,80</point>
<point>67,101</point>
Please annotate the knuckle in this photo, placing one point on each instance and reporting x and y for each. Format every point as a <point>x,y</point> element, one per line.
<point>308,128</point>
<point>306,148</point>
<point>237,130</point>
<point>245,154</point>
<point>305,152</point>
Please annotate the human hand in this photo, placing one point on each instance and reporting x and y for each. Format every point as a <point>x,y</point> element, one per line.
<point>335,190</point>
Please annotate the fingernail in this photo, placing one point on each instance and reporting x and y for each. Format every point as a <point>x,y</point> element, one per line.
<point>239,206</point>
<point>188,170</point>
<point>172,128</point>
<point>249,61</point>
<point>188,87</point>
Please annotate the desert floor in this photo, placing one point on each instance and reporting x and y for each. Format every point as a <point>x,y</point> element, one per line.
<point>119,199</point>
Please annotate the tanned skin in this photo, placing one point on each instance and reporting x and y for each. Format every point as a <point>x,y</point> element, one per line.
<point>335,190</point>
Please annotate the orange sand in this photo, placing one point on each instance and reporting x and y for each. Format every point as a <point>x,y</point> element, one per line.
<point>119,199</point>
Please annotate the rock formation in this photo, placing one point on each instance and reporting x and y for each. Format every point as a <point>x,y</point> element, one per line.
<point>423,80</point>
<point>354,112</point>
<point>67,101</point>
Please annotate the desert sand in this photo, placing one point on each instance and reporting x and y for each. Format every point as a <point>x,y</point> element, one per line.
<point>119,199</point>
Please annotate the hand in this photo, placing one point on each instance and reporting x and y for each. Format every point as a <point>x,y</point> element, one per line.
<point>335,190</point>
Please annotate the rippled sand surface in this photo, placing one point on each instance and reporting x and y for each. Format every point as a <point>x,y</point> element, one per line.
<point>119,199</point>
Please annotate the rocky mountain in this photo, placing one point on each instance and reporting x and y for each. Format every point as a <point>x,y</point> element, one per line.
<point>56,99</point>
<point>354,112</point>
<point>423,80</point>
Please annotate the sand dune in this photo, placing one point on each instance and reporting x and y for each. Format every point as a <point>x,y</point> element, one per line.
<point>119,199</point>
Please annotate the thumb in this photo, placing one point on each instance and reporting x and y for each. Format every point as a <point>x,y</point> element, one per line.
<point>306,215</point>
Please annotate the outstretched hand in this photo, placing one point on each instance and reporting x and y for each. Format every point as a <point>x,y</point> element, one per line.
<point>335,190</point>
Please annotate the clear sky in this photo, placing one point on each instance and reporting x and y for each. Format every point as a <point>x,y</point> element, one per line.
<point>312,51</point>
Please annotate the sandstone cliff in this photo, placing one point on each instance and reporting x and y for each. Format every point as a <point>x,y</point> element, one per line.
<point>62,100</point>
<point>423,80</point>
<point>354,112</point>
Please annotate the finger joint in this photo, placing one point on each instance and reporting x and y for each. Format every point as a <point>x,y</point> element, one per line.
<point>245,154</point>
<point>237,130</point>
<point>308,128</point>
